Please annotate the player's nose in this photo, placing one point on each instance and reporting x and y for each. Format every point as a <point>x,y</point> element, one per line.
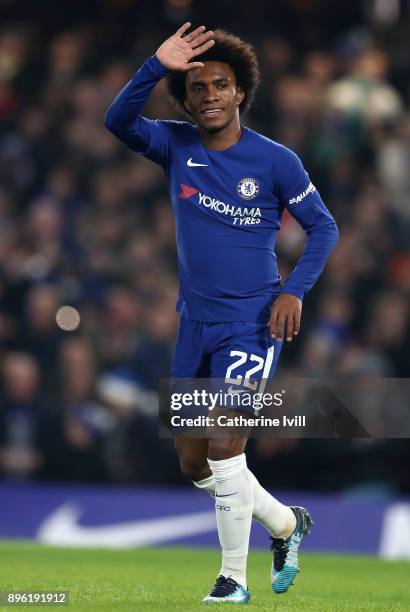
<point>211,94</point>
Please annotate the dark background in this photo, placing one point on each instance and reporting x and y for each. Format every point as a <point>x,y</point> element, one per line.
<point>85,222</point>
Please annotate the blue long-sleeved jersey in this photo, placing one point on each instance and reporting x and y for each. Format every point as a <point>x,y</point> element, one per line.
<point>227,207</point>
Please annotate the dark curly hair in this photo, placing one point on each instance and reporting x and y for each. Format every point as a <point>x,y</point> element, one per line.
<point>230,49</point>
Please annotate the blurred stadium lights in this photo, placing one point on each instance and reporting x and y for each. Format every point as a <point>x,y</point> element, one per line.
<point>386,11</point>
<point>179,3</point>
<point>178,11</point>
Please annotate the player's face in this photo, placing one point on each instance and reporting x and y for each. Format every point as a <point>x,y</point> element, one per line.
<point>213,96</point>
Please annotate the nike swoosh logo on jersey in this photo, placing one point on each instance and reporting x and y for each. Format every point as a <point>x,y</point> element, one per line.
<point>193,164</point>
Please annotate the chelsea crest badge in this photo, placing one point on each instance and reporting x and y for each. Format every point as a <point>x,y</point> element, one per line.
<point>248,188</point>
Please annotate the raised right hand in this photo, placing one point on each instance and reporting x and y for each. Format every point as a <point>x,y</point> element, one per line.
<point>177,51</point>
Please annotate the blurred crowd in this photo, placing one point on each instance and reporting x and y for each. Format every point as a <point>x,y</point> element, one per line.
<point>85,222</point>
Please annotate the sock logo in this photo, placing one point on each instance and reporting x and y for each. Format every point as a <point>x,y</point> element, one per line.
<point>225,508</point>
<point>228,494</point>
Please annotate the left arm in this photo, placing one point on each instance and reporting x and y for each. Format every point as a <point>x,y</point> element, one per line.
<point>306,206</point>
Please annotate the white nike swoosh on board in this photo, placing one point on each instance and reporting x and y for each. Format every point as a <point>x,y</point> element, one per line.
<point>192,164</point>
<point>62,528</point>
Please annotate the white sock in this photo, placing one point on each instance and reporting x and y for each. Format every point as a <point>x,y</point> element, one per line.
<point>207,484</point>
<point>233,505</point>
<point>277,518</point>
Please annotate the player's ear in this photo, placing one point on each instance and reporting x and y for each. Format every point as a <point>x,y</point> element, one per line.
<point>240,94</point>
<point>186,106</point>
<point>185,102</point>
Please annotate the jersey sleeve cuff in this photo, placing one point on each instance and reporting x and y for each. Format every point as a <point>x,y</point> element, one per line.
<point>299,293</point>
<point>156,67</point>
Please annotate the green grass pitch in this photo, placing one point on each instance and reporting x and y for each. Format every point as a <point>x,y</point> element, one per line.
<point>177,579</point>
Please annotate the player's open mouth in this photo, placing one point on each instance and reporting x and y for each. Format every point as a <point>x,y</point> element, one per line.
<point>211,112</point>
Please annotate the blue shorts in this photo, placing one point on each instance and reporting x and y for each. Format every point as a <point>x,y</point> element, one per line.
<point>241,353</point>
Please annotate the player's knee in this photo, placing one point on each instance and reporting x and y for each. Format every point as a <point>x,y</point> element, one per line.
<point>225,448</point>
